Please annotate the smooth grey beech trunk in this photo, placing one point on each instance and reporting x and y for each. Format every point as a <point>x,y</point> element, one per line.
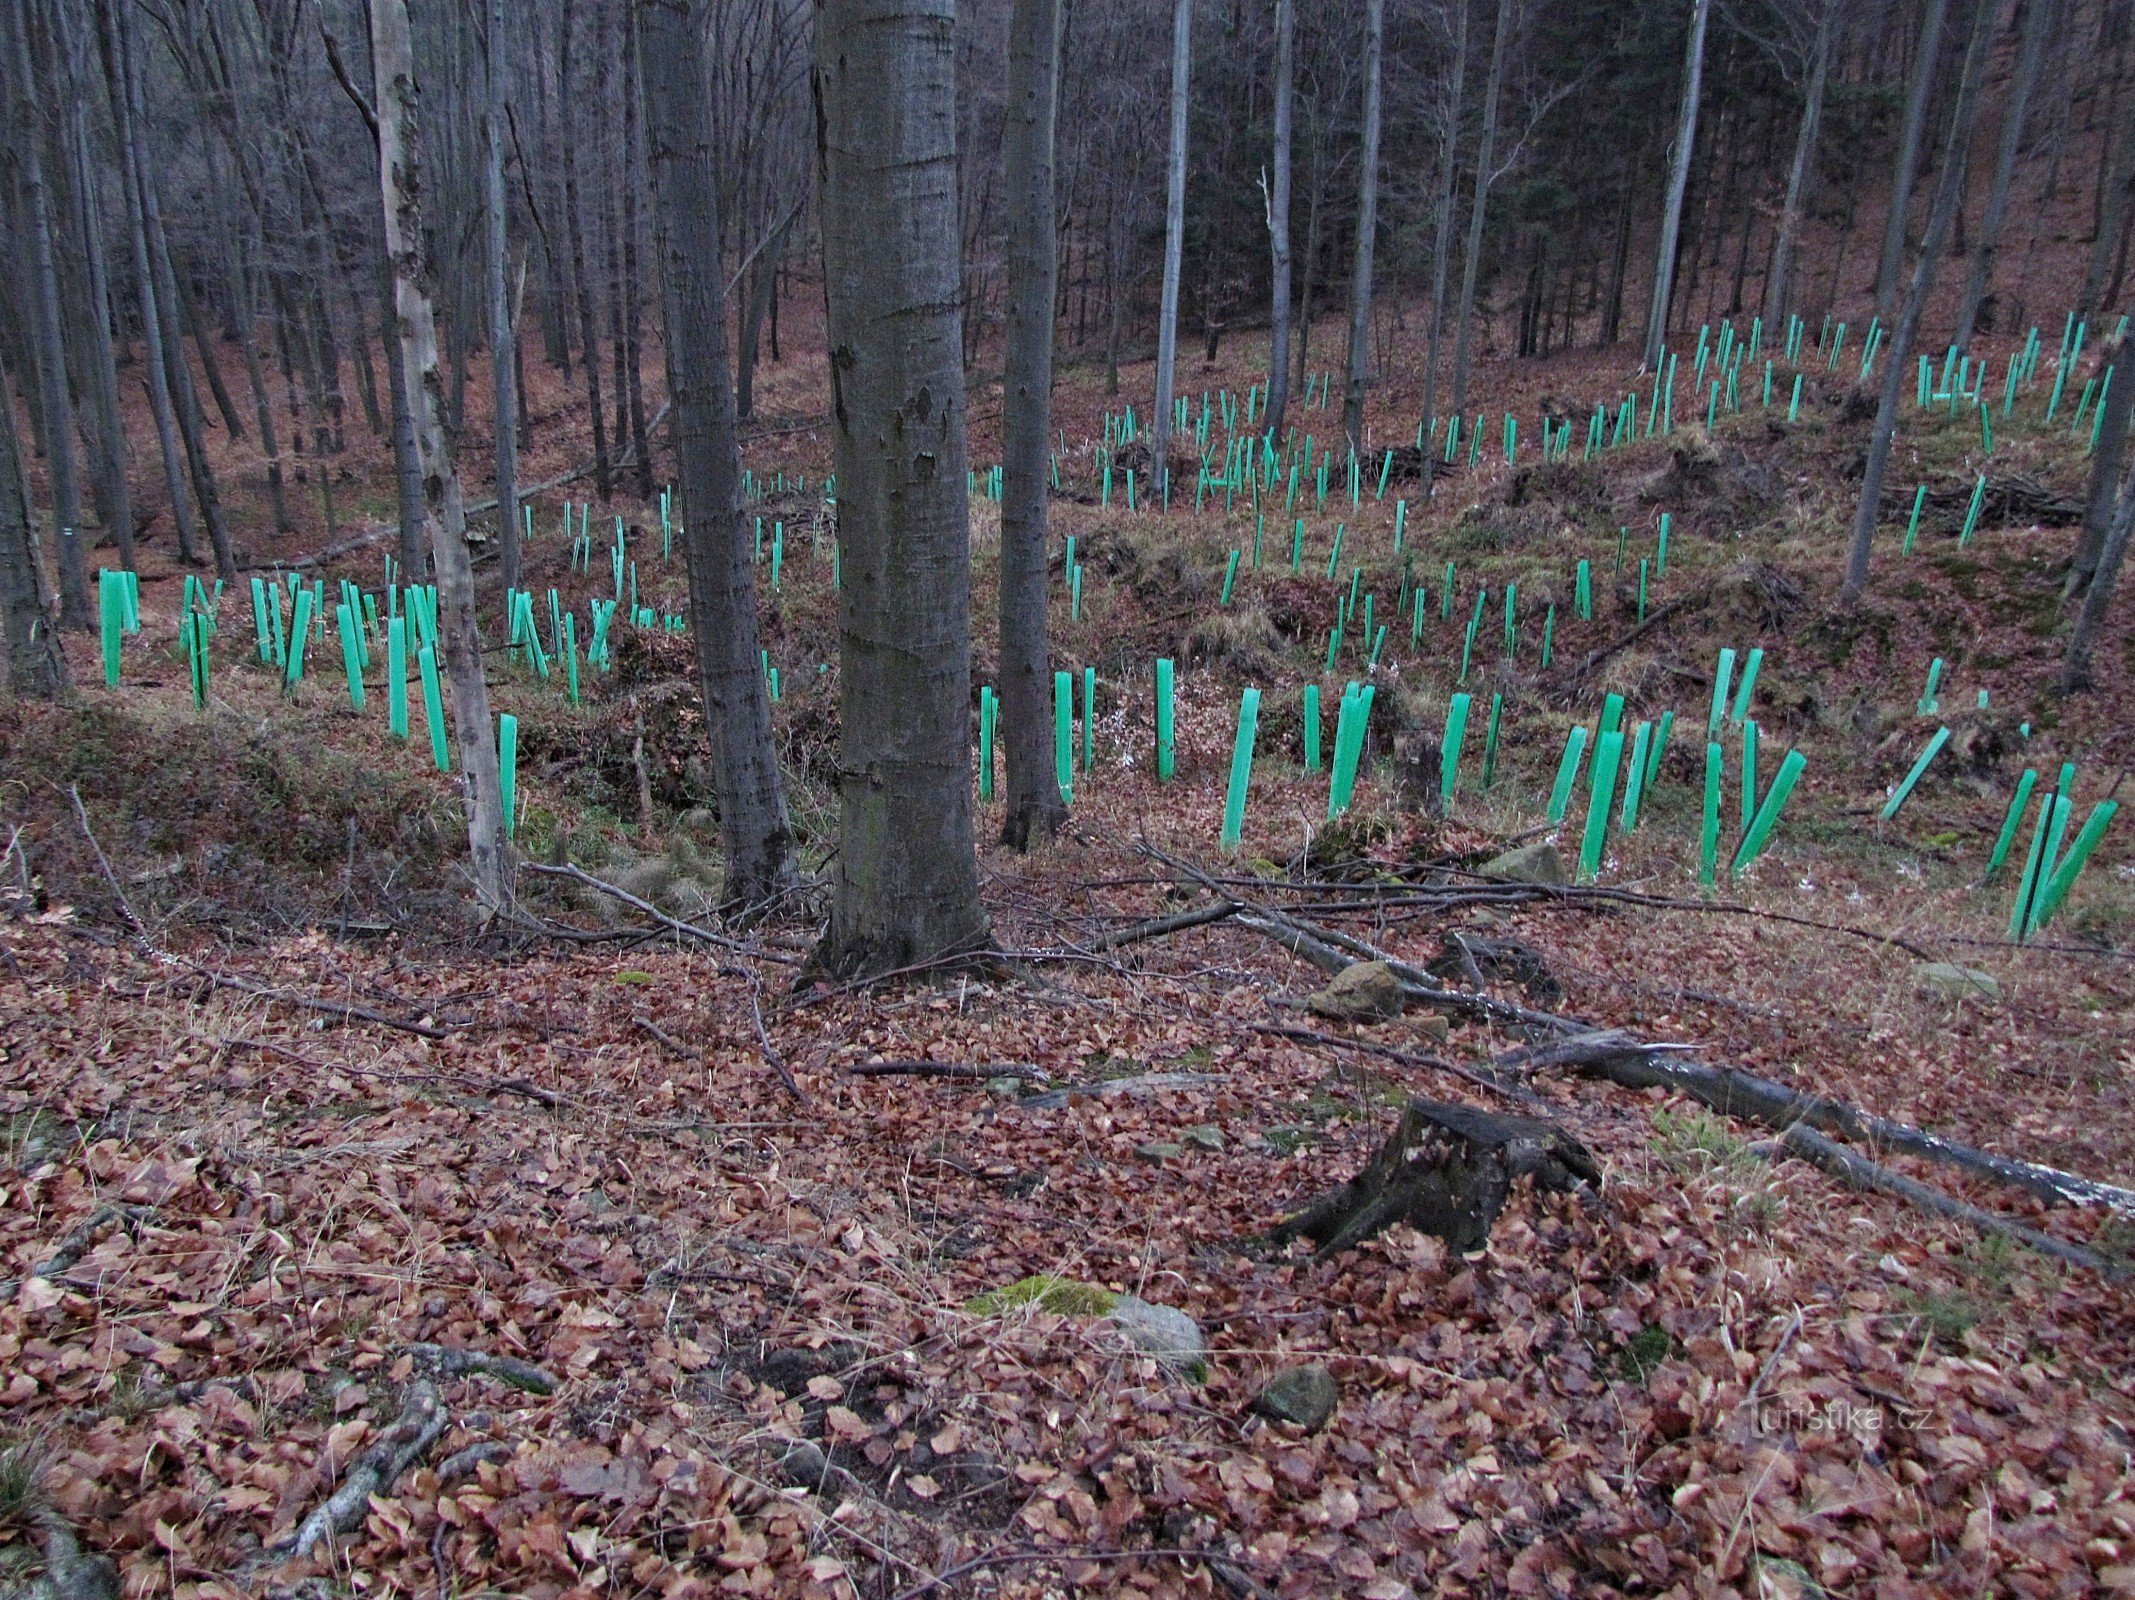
<point>56,400</point>
<point>503,337</point>
<point>36,669</point>
<point>407,460</point>
<point>906,877</point>
<point>2117,372</point>
<point>1167,325</point>
<point>1686,139</point>
<point>2090,622</point>
<point>1034,808</point>
<point>2016,103</point>
<point>1891,265</point>
<point>99,359</point>
<point>1367,228</point>
<point>401,182</point>
<point>1485,153</point>
<point>1442,254</point>
<point>1779,276</point>
<point>682,149</point>
<point>581,282</point>
<point>118,47</point>
<point>1897,374</point>
<point>1279,221</point>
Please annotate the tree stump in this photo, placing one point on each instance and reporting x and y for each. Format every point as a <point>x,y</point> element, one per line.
<point>1446,1170</point>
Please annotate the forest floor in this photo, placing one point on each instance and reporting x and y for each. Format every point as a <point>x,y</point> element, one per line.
<point>276,1130</point>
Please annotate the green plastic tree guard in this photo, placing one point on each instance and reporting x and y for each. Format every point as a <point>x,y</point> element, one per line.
<point>508,771</point>
<point>1064,734</point>
<point>2064,876</point>
<point>1241,769</point>
<point>1165,752</point>
<point>434,708</point>
<point>1560,794</point>
<point>1608,757</point>
<point>1760,829</point>
<point>1709,830</point>
<point>1634,783</point>
<point>1449,751</point>
<point>1312,727</point>
<point>1748,686</point>
<point>396,677</point>
<point>1904,790</point>
<point>986,713</point>
<point>1089,718</point>
<point>1721,675</point>
<point>2012,821</point>
<point>1497,716</point>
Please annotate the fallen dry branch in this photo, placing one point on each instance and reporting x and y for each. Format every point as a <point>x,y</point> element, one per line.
<point>1410,1058</point>
<point>950,1069</point>
<point>1861,1173</point>
<point>1158,927</point>
<point>1624,1061</point>
<point>685,1051</point>
<point>1447,1170</point>
<point>1595,658</point>
<point>672,924</point>
<point>1144,1083</point>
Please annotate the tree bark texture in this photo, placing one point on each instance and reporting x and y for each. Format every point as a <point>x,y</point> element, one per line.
<point>1167,327</point>
<point>756,838</point>
<point>1034,807</point>
<point>36,668</point>
<point>1892,262</point>
<point>1367,229</point>
<point>401,185</point>
<point>906,878</point>
<point>1485,153</point>
<point>1779,277</point>
<point>1686,138</point>
<point>503,337</point>
<point>1279,221</point>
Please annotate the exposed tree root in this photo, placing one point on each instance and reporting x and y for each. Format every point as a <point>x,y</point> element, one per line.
<point>422,1418</point>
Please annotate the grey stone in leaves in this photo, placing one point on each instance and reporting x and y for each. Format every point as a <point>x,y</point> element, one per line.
<point>1952,982</point>
<point>1364,991</point>
<point>1165,1332</point>
<point>1530,863</point>
<point>1304,1395</point>
<point>1204,1136</point>
<point>1159,1151</point>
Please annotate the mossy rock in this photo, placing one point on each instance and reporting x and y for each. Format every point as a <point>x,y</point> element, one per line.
<point>1065,1297</point>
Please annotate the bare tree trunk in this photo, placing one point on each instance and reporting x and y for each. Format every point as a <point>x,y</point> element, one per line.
<point>407,460</point>
<point>103,385</point>
<point>1367,228</point>
<point>36,667</point>
<point>906,880</point>
<point>245,302</point>
<point>1686,137</point>
<point>1167,326</point>
<point>1279,222</point>
<point>503,337</point>
<point>633,293</point>
<point>1778,279</point>
<point>763,297</point>
<point>2014,109</point>
<point>1442,253</point>
<point>2090,622</point>
<point>1897,377</point>
<point>401,186</point>
<point>56,400</point>
<point>1907,171</point>
<point>680,143</point>
<point>2118,374</point>
<point>187,398</point>
<point>588,337</point>
<point>2114,195</point>
<point>1485,153</point>
<point>1034,805</point>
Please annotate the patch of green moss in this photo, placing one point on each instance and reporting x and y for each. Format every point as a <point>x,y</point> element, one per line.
<point>1063,1296</point>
